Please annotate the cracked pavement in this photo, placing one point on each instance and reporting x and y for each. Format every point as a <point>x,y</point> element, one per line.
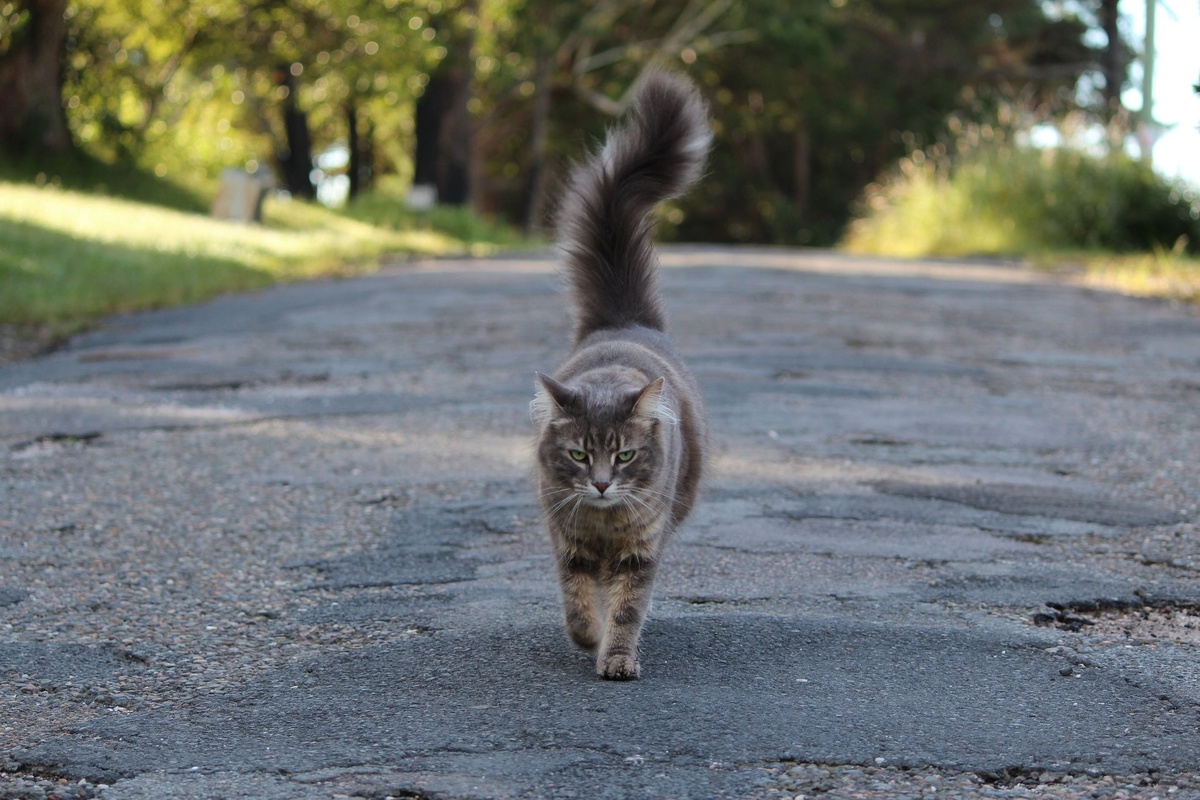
<point>284,544</point>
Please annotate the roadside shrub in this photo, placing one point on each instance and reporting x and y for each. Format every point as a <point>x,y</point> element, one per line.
<point>997,198</point>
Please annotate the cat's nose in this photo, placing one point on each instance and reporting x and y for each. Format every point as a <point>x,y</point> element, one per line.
<point>601,485</point>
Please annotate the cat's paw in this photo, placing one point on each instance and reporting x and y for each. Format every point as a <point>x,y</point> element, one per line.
<point>618,667</point>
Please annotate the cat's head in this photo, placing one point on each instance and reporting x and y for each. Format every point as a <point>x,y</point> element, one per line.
<point>600,443</point>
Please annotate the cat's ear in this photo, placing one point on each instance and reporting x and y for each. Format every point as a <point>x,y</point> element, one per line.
<point>553,401</point>
<point>650,404</point>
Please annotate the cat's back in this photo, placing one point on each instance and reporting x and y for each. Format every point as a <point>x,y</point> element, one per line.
<point>647,350</point>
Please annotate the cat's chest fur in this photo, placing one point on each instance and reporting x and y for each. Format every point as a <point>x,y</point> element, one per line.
<point>610,533</point>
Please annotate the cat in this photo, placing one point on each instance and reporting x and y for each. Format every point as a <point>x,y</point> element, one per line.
<point>621,427</point>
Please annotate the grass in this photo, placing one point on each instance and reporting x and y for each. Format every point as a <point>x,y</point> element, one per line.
<point>1014,201</point>
<point>383,206</point>
<point>69,257</point>
<point>1134,229</point>
<point>921,213</point>
<point>1163,275</point>
<point>81,172</point>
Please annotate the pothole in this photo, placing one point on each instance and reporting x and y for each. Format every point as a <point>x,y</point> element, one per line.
<point>1052,502</point>
<point>1177,622</point>
<point>233,381</point>
<point>51,443</point>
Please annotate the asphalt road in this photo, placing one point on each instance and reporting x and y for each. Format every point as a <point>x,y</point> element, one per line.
<point>284,544</point>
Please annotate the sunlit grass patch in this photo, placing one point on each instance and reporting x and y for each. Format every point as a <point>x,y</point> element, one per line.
<point>996,198</point>
<point>922,212</point>
<point>80,171</point>
<point>993,198</point>
<point>67,258</point>
<point>384,205</point>
<point>1146,275</point>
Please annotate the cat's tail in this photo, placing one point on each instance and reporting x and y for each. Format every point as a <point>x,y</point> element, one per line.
<point>604,230</point>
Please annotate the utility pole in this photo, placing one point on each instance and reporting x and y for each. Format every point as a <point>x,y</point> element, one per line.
<point>1147,133</point>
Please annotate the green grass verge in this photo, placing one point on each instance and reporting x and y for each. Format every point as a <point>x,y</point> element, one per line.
<point>1130,229</point>
<point>68,257</point>
<point>1016,200</point>
<point>384,206</point>
<point>1163,275</point>
<point>79,171</point>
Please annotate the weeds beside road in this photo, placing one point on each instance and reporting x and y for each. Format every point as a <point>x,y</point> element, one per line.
<point>68,258</point>
<point>77,247</point>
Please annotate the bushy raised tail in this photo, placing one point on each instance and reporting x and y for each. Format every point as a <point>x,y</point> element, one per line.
<point>604,229</point>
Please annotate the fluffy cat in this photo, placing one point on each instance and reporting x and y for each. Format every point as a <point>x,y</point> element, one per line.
<point>621,428</point>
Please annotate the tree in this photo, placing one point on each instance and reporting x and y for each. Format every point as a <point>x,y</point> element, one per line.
<point>295,156</point>
<point>131,78</point>
<point>180,86</point>
<point>546,68</point>
<point>31,41</point>
<point>351,70</point>
<point>443,156</point>
<point>866,84</point>
<point>1107,67</point>
<point>811,99</point>
<point>1114,63</point>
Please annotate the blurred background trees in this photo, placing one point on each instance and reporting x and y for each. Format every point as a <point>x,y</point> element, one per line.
<point>31,38</point>
<point>488,100</point>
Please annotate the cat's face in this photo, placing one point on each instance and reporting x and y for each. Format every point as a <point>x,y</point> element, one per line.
<point>602,451</point>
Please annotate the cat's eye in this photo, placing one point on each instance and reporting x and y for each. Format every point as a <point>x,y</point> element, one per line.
<point>577,455</point>
<point>625,456</point>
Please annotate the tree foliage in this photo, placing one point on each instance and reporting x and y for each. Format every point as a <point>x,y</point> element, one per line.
<point>866,84</point>
<point>811,99</point>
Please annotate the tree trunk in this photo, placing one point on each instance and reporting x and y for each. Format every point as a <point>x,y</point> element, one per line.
<point>454,171</point>
<point>802,168</point>
<point>355,166</point>
<point>360,143</point>
<point>31,110</point>
<point>535,207</point>
<point>428,129</point>
<point>444,127</point>
<point>295,160</point>
<point>366,156</point>
<point>1114,60</point>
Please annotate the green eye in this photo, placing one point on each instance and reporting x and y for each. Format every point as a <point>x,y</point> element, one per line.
<point>578,455</point>
<point>625,456</point>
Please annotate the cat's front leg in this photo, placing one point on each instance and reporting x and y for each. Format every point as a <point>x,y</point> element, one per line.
<point>578,578</point>
<point>629,588</point>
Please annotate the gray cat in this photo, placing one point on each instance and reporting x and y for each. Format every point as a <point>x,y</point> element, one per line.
<point>621,425</point>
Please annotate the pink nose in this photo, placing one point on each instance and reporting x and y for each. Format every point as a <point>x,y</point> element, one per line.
<point>601,485</point>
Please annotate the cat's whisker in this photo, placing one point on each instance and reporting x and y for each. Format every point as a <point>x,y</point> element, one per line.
<point>640,517</point>
<point>571,505</point>
<point>551,495</point>
<point>650,498</point>
<point>637,515</point>
<point>632,497</point>
<point>560,504</point>
<point>652,491</point>
<point>579,498</point>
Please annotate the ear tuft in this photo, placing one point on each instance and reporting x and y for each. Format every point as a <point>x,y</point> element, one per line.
<point>552,401</point>
<point>651,404</point>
